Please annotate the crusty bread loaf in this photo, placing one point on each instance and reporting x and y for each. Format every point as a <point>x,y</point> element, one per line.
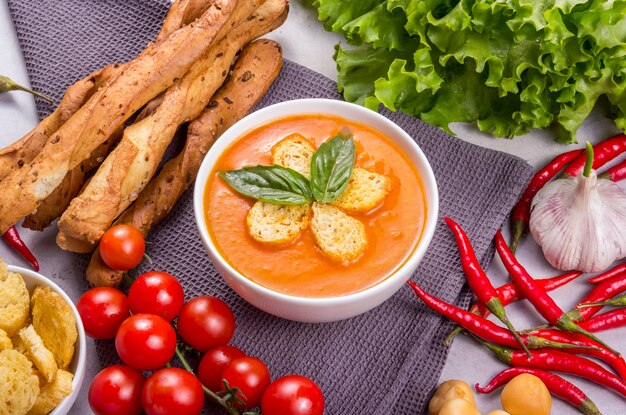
<point>339,236</point>
<point>52,393</point>
<point>295,152</point>
<point>14,301</point>
<point>42,358</point>
<point>54,321</point>
<point>364,192</point>
<point>19,387</point>
<point>5,341</point>
<point>277,224</point>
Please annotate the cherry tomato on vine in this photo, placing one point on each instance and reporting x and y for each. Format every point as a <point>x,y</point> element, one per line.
<point>145,342</point>
<point>122,247</point>
<point>172,391</point>
<point>158,293</point>
<point>293,395</point>
<point>116,390</point>
<point>206,322</point>
<point>250,376</point>
<point>102,311</point>
<point>213,364</point>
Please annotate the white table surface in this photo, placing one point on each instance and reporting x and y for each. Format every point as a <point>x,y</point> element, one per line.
<point>305,41</point>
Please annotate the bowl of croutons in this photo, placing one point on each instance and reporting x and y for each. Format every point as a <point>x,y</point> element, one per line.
<point>315,210</point>
<point>42,345</point>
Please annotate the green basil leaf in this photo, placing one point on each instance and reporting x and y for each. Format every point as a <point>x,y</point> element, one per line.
<point>271,184</point>
<point>331,168</point>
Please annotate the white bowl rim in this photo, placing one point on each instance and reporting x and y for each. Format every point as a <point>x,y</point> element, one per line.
<point>228,137</point>
<point>79,373</point>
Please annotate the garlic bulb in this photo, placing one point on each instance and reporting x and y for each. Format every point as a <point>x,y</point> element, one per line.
<point>580,222</point>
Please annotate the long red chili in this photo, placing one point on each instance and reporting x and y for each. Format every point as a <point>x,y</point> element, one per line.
<point>616,173</point>
<point>478,280</point>
<point>607,275</point>
<point>601,292</point>
<point>520,216</point>
<point>604,152</point>
<point>557,361</point>
<point>605,321</point>
<point>616,362</point>
<point>538,297</point>
<point>558,386</point>
<point>12,238</point>
<point>488,330</point>
<point>508,294</point>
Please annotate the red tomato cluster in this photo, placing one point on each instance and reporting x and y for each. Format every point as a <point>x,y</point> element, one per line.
<point>145,340</point>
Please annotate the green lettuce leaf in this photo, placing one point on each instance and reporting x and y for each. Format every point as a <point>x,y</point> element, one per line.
<point>507,66</point>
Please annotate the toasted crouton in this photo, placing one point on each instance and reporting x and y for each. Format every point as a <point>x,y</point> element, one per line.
<point>14,301</point>
<point>5,341</point>
<point>52,393</point>
<point>55,323</point>
<point>42,358</point>
<point>19,386</point>
<point>294,152</point>
<point>277,224</point>
<point>339,236</point>
<point>364,192</point>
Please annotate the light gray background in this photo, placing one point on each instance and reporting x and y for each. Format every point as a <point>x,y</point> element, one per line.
<point>305,41</point>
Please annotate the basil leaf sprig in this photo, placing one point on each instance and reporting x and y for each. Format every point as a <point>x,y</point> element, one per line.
<point>271,184</point>
<point>331,168</point>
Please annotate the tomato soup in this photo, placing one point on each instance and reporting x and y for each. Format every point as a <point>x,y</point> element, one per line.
<point>300,268</point>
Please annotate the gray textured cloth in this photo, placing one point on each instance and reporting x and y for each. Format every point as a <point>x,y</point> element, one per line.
<point>383,362</point>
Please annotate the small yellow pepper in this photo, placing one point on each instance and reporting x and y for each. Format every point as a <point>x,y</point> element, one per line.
<point>499,412</point>
<point>449,390</point>
<point>526,394</point>
<point>459,406</point>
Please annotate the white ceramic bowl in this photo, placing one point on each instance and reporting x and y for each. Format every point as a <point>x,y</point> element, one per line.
<point>77,366</point>
<point>317,310</point>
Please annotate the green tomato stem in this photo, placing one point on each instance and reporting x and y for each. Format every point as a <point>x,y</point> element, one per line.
<point>589,162</point>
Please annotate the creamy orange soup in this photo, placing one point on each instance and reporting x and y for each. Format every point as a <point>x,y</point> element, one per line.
<point>394,228</point>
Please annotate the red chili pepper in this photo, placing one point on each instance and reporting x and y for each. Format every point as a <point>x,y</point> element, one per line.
<point>604,152</point>
<point>560,362</point>
<point>617,270</point>
<point>558,386</point>
<point>589,347</point>
<point>538,297</point>
<point>508,294</point>
<point>478,280</point>
<point>616,173</point>
<point>486,329</point>
<point>520,216</point>
<point>12,238</point>
<point>609,320</point>
<point>601,292</point>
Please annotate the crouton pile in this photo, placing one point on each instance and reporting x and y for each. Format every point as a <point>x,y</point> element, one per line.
<point>339,236</point>
<point>37,340</point>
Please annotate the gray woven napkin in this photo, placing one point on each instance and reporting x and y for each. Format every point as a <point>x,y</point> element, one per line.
<point>386,361</point>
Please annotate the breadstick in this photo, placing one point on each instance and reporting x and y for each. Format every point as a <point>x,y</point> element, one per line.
<point>253,73</point>
<point>24,150</point>
<point>129,167</point>
<point>182,13</point>
<point>141,80</point>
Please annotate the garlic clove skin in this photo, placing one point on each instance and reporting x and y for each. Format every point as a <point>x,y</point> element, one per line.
<point>580,223</point>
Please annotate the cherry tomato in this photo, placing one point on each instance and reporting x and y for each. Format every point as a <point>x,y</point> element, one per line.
<point>213,364</point>
<point>145,342</point>
<point>122,247</point>
<point>102,310</point>
<point>206,322</point>
<point>251,376</point>
<point>293,395</point>
<point>157,293</point>
<point>172,391</point>
<point>116,390</point>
